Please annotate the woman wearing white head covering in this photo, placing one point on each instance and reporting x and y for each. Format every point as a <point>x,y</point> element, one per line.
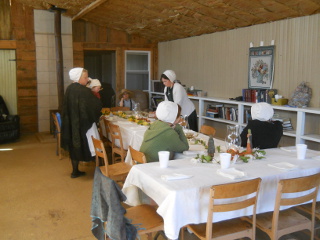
<point>174,92</point>
<point>265,133</point>
<point>164,134</point>
<point>80,112</point>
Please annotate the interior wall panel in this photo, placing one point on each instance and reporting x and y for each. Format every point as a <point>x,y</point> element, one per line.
<point>218,62</point>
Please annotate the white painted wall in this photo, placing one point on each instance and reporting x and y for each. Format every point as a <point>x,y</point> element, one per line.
<point>46,62</point>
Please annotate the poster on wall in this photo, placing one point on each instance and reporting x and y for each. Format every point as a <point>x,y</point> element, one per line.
<point>261,67</point>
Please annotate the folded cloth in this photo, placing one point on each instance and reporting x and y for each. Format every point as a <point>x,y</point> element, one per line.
<point>193,153</point>
<point>231,173</point>
<point>196,147</point>
<point>289,149</point>
<point>284,166</point>
<point>175,176</point>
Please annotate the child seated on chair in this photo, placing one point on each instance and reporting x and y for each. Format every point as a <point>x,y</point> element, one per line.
<point>125,99</point>
<point>164,134</point>
<point>265,133</point>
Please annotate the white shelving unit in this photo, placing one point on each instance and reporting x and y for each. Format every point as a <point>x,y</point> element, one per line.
<point>298,116</point>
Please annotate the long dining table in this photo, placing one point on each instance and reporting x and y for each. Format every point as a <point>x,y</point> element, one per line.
<point>132,135</point>
<point>185,201</point>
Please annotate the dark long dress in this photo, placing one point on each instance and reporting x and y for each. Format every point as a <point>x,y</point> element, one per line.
<point>264,134</point>
<point>80,110</point>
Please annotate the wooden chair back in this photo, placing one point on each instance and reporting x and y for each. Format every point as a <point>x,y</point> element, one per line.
<point>108,134</point>
<point>100,153</point>
<point>116,138</point>
<point>233,190</point>
<point>57,134</point>
<point>137,156</point>
<point>207,130</point>
<point>115,109</point>
<point>308,188</point>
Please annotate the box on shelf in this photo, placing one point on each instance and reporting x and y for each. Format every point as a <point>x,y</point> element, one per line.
<point>281,101</point>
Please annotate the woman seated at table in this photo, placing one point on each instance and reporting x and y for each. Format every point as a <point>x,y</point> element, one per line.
<point>265,133</point>
<point>165,134</point>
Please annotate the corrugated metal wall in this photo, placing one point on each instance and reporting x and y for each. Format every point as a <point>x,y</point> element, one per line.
<point>8,82</point>
<point>218,62</point>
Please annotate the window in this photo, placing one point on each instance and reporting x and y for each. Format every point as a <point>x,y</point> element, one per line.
<point>137,70</point>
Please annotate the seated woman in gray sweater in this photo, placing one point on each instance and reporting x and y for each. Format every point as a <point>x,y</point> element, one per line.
<point>165,134</point>
<point>265,133</point>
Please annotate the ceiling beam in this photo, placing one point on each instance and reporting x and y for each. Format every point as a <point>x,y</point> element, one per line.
<point>88,8</point>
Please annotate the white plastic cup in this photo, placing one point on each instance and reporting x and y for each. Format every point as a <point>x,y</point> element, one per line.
<point>301,151</point>
<point>225,160</point>
<point>164,158</point>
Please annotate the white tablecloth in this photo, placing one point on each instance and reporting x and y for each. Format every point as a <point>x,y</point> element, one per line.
<point>186,201</point>
<point>132,134</point>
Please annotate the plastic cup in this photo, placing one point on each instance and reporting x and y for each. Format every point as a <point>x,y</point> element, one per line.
<point>164,158</point>
<point>225,160</point>
<point>301,151</point>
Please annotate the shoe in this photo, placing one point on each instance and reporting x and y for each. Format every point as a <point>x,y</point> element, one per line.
<point>77,174</point>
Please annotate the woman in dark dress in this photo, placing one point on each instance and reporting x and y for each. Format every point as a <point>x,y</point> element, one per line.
<point>265,133</point>
<point>81,111</point>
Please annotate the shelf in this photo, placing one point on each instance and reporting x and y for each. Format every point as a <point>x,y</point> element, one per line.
<point>290,133</point>
<point>311,137</point>
<point>298,115</point>
<point>220,120</point>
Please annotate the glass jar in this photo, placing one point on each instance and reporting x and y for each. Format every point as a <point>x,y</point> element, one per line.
<point>233,139</point>
<point>136,110</point>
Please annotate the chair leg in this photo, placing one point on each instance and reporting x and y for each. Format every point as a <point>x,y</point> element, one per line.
<point>158,234</point>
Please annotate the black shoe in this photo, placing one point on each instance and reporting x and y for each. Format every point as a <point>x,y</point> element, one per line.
<point>77,174</point>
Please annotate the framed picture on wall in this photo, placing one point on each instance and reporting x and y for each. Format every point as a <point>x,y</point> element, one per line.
<point>261,67</point>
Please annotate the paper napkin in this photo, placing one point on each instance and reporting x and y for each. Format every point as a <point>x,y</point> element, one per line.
<point>175,176</point>
<point>231,173</point>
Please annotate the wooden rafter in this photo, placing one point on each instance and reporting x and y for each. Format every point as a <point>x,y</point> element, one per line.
<point>88,8</point>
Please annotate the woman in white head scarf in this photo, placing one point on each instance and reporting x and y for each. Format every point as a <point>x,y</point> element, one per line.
<point>174,92</point>
<point>164,134</point>
<point>265,133</point>
<point>80,112</point>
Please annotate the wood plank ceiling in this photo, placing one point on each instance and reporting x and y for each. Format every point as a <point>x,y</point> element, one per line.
<point>165,20</point>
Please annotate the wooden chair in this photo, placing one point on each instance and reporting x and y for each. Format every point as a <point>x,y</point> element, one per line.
<point>306,210</point>
<point>137,157</point>
<point>118,172</point>
<point>117,144</point>
<point>106,139</point>
<point>57,135</point>
<point>234,228</point>
<point>207,130</point>
<point>279,223</point>
<point>144,217</point>
<point>115,109</point>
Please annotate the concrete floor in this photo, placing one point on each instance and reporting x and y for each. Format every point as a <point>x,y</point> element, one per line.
<point>39,200</point>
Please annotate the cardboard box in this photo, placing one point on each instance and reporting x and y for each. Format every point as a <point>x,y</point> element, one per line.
<point>281,101</point>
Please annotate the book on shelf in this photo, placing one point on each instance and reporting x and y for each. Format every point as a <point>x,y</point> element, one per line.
<point>258,95</point>
<point>286,123</point>
<point>214,110</point>
<point>247,115</point>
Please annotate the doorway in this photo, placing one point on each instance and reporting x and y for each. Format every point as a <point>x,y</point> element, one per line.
<point>8,79</point>
<point>102,65</point>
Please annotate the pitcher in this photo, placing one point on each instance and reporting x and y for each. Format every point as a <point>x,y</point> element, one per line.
<point>233,139</point>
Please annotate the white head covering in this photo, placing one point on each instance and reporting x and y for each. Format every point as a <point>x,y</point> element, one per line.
<point>170,74</point>
<point>261,111</point>
<point>94,83</point>
<point>75,74</point>
<point>167,111</point>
